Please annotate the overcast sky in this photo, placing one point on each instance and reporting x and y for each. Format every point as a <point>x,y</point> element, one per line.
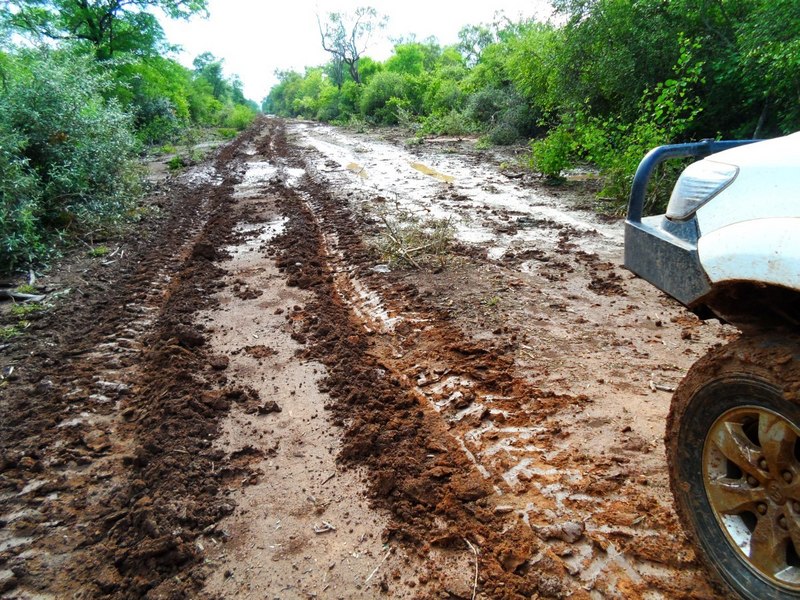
<point>255,37</point>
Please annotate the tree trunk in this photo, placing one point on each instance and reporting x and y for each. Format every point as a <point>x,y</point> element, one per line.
<point>762,119</point>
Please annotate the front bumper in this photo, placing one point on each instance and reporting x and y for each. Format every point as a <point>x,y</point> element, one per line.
<point>661,251</point>
<point>666,255</point>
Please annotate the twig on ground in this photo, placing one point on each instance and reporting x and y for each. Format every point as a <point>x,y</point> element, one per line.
<point>324,528</point>
<point>475,552</point>
<point>660,387</point>
<point>401,249</point>
<point>375,570</point>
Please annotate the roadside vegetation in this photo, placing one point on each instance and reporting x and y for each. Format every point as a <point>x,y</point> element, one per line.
<point>613,79</point>
<point>86,88</point>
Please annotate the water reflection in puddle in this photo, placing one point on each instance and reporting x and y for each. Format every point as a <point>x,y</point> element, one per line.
<point>358,170</point>
<point>432,172</point>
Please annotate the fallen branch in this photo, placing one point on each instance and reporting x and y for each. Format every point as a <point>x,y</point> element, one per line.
<point>401,250</point>
<point>660,387</point>
<point>15,295</point>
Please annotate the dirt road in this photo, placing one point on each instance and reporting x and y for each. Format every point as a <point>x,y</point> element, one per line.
<point>337,366</point>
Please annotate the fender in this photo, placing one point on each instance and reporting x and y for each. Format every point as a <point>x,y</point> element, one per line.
<point>759,251</point>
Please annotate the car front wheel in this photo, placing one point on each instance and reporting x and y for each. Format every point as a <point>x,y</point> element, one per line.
<point>733,447</point>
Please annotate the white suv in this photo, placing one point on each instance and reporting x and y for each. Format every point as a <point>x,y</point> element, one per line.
<point>729,246</point>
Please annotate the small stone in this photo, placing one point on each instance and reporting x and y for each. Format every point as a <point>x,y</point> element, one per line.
<point>96,441</point>
<point>219,363</point>
<point>503,509</point>
<point>569,531</point>
<point>27,462</point>
<point>269,407</point>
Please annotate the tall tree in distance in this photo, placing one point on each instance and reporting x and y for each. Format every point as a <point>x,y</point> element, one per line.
<point>108,25</point>
<point>346,36</point>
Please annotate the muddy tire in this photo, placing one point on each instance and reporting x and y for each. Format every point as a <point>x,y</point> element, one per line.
<point>734,462</point>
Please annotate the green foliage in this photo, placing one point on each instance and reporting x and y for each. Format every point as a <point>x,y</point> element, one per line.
<point>612,80</point>
<point>555,153</point>
<point>67,156</point>
<point>452,123</point>
<point>109,26</point>
<point>98,251</point>
<point>616,146</point>
<point>8,332</point>
<point>227,133</point>
<point>25,310</point>
<point>21,240</point>
<point>385,93</point>
<point>74,115</point>
<point>240,117</point>
<point>176,163</point>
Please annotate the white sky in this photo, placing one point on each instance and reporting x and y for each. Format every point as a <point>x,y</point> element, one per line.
<point>255,37</point>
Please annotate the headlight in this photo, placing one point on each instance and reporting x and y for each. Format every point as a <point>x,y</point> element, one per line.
<point>698,184</point>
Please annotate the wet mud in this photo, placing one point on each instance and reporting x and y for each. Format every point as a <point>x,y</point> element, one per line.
<point>498,409</point>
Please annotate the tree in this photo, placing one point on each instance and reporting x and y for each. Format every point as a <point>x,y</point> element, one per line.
<point>472,40</point>
<point>209,67</point>
<point>108,25</point>
<point>346,36</point>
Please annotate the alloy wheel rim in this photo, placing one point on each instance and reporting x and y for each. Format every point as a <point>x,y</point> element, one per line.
<point>751,475</point>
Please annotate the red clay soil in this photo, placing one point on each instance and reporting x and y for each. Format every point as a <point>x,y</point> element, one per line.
<point>111,402</point>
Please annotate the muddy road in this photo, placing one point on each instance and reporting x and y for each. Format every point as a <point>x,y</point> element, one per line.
<point>337,366</point>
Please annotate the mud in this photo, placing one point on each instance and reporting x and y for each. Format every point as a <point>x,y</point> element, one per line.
<point>254,402</point>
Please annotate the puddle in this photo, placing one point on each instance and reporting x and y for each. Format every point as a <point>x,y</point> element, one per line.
<point>357,169</point>
<point>477,200</point>
<point>201,175</point>
<point>432,172</point>
<point>295,175</point>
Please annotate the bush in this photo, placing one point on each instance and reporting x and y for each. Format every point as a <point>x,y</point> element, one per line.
<point>68,156</point>
<point>553,154</point>
<point>240,117</point>
<point>442,96</point>
<point>485,106</point>
<point>157,121</point>
<point>506,116</point>
<point>382,96</point>
<point>451,123</point>
<point>20,194</point>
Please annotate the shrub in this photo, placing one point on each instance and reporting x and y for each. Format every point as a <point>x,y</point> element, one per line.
<point>68,156</point>
<point>442,96</point>
<point>485,106</point>
<point>506,115</point>
<point>451,123</point>
<point>239,117</point>
<point>20,236</point>
<point>157,121</point>
<point>553,154</point>
<point>382,96</point>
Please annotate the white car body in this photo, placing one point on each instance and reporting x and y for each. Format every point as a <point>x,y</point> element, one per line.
<point>731,233</point>
<point>751,229</point>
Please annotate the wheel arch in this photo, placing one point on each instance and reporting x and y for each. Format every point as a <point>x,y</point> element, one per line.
<point>752,306</point>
